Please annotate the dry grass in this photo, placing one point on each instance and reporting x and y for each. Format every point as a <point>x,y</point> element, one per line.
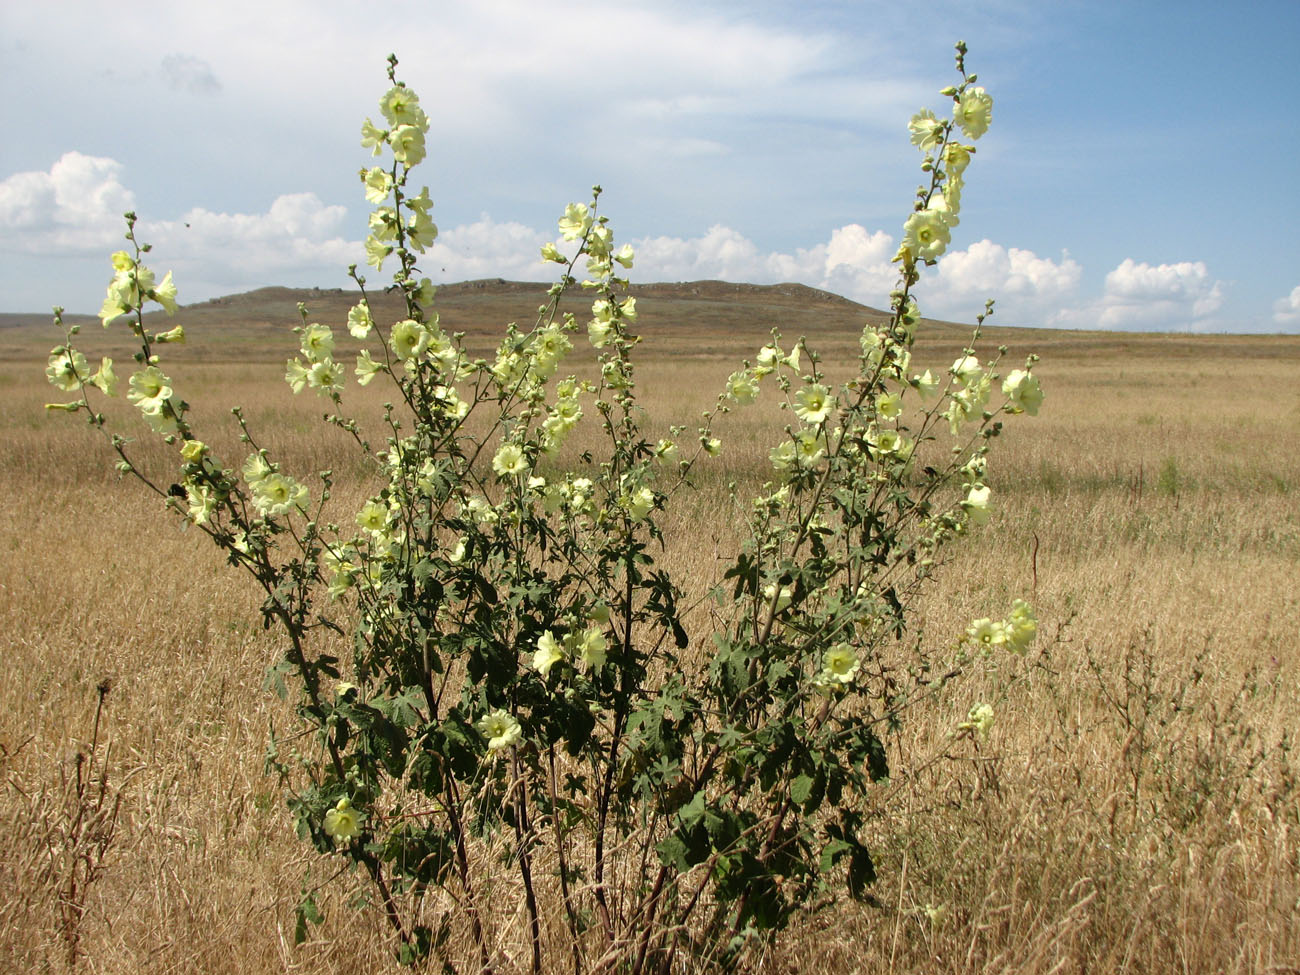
<point>1134,809</point>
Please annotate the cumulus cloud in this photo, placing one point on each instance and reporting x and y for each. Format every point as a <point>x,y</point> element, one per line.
<point>1028,289</point>
<point>1286,311</point>
<point>488,249</point>
<point>298,240</point>
<point>75,207</point>
<point>854,262</point>
<point>185,72</point>
<point>1137,295</point>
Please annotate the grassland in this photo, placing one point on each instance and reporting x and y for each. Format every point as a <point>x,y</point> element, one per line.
<point>1135,808</point>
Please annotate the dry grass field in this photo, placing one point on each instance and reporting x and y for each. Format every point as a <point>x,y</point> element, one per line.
<point>1135,808</point>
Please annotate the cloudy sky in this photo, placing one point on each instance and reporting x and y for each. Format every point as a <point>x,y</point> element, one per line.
<point>1140,172</point>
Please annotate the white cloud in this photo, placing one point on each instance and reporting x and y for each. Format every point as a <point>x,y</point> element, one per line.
<point>1137,295</point>
<point>185,72</point>
<point>1286,311</point>
<point>297,233</point>
<point>76,206</point>
<point>853,262</point>
<point>1028,289</point>
<point>487,249</point>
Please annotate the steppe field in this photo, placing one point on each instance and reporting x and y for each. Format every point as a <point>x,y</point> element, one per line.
<point>1135,807</point>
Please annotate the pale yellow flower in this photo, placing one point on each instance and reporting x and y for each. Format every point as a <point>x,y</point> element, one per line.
<point>325,376</point>
<point>840,663</point>
<point>68,369</point>
<point>408,144</point>
<point>202,502</point>
<point>372,138</point>
<point>373,517</point>
<point>1023,391</point>
<point>378,184</point>
<point>742,387</point>
<point>590,647</point>
<point>575,222</point>
<point>317,342</point>
<point>640,503</point>
<point>165,293</point>
<point>783,598</point>
<point>176,335</point>
<point>549,652</point>
<point>500,729</point>
<point>359,321</point>
<point>979,719</point>
<point>926,235</point>
<point>1021,626</point>
<point>343,823</point>
<point>256,469</point>
<point>813,404</point>
<point>278,494</point>
<point>149,387</point>
<point>977,504</point>
<point>376,251</point>
<point>367,368</point>
<point>967,369</point>
<point>987,633</point>
<point>401,106</point>
<point>105,378</point>
<point>957,158</point>
<point>409,339</point>
<point>510,461</point>
<point>295,374</point>
<point>927,131</point>
<point>973,112</point>
<point>926,384</point>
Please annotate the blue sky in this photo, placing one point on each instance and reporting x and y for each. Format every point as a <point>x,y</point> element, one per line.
<point>1140,172</point>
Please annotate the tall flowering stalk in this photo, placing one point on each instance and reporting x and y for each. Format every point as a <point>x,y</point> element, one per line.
<point>524,705</point>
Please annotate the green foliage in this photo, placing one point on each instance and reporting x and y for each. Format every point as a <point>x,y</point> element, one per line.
<point>524,697</point>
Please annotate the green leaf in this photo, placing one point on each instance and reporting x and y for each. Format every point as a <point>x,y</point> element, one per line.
<point>801,789</point>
